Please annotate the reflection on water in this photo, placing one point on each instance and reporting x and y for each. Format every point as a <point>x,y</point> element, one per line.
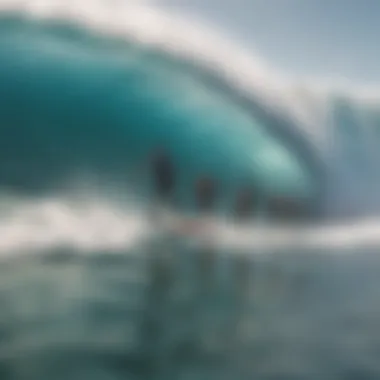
<point>108,315</point>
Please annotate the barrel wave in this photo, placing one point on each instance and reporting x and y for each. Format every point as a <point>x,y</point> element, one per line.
<point>76,103</point>
<point>87,92</point>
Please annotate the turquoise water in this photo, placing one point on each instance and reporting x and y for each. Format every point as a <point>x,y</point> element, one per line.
<point>74,104</point>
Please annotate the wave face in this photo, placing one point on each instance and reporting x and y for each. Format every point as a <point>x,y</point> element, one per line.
<point>79,102</point>
<point>86,93</point>
<point>70,104</point>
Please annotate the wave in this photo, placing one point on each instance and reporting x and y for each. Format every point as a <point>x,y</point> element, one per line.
<point>92,93</point>
<point>88,91</point>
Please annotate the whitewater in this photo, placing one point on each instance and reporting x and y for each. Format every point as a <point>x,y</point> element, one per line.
<point>87,90</point>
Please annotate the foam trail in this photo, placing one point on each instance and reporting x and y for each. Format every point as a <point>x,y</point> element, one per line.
<point>98,225</point>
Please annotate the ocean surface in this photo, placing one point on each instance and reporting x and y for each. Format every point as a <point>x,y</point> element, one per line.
<point>94,285</point>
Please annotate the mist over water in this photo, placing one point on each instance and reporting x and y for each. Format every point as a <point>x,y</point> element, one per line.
<point>86,93</point>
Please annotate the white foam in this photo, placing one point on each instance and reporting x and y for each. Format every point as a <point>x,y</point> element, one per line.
<point>50,223</point>
<point>98,225</point>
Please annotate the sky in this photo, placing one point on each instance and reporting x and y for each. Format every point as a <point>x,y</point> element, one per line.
<point>319,38</point>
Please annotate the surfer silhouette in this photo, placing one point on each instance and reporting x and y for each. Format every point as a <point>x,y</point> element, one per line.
<point>285,208</point>
<point>205,193</point>
<point>245,203</point>
<point>163,175</point>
